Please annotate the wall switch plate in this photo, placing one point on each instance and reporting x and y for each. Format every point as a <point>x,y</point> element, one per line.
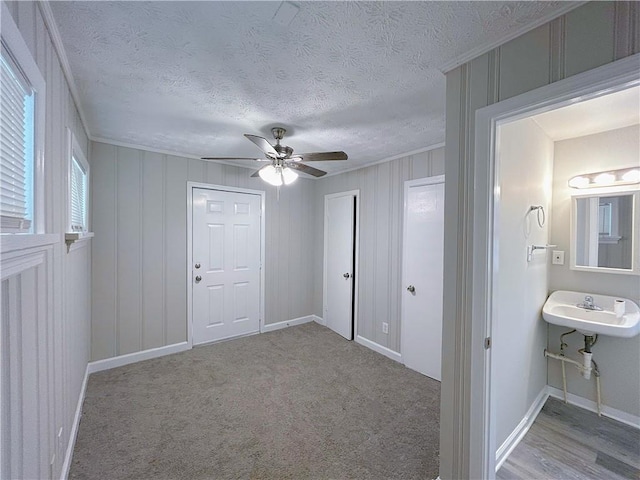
<point>558,257</point>
<point>385,327</point>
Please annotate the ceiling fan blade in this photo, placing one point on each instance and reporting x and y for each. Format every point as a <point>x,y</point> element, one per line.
<point>322,156</point>
<point>263,145</point>
<point>306,169</point>
<point>237,158</point>
<point>257,172</point>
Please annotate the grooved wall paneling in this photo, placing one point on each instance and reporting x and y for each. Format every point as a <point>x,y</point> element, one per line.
<point>140,248</point>
<point>54,304</point>
<point>381,210</point>
<point>153,247</point>
<point>584,38</point>
<point>589,35</point>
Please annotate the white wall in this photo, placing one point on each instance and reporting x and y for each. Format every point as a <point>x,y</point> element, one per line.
<point>593,34</point>
<point>45,307</point>
<point>617,358</point>
<point>140,248</point>
<point>519,334</point>
<point>381,209</point>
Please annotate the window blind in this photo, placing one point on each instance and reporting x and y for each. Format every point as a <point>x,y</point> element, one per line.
<point>78,196</point>
<point>16,148</point>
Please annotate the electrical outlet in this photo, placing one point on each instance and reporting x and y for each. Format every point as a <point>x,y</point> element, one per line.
<point>385,327</point>
<point>558,257</point>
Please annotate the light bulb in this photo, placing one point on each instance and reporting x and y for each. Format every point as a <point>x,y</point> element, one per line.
<point>271,175</point>
<point>579,182</point>
<point>632,176</point>
<point>289,176</point>
<point>605,179</point>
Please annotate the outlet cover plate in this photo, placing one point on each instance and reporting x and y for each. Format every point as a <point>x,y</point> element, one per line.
<point>558,257</point>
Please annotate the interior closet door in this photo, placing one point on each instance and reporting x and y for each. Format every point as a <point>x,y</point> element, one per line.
<point>423,252</point>
<point>339,262</point>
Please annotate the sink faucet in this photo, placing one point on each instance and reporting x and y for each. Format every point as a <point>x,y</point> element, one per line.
<point>588,304</point>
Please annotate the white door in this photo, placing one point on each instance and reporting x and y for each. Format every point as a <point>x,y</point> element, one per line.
<point>226,264</point>
<point>339,262</point>
<point>422,276</point>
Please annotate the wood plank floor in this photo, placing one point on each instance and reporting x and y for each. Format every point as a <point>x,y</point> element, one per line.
<point>568,442</point>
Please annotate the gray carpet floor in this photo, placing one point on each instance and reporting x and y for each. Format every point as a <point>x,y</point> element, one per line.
<point>297,403</point>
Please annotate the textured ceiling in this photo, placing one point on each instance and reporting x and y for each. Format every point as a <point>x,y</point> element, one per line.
<point>192,77</point>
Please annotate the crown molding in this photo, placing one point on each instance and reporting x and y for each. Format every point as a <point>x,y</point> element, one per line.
<point>171,153</point>
<point>145,148</point>
<point>388,159</point>
<point>484,48</point>
<point>56,39</point>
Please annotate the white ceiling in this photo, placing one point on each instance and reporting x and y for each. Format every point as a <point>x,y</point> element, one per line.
<point>192,77</point>
<point>600,114</point>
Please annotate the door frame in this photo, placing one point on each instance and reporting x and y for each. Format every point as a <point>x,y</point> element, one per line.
<point>222,188</point>
<point>606,79</point>
<point>418,182</point>
<point>356,273</point>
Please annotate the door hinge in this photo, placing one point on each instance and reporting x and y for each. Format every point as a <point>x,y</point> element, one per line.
<point>487,343</point>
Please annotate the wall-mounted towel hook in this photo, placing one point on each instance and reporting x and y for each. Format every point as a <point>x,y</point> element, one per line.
<point>541,217</point>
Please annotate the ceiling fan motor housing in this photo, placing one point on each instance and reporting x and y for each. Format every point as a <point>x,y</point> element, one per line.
<point>283,150</point>
<point>278,133</point>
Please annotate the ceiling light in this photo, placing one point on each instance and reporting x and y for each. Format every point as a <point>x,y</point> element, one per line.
<point>276,175</point>
<point>270,175</point>
<point>623,176</point>
<point>289,176</point>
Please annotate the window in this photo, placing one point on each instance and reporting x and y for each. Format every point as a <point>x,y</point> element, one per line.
<point>16,147</point>
<point>21,134</point>
<point>78,188</point>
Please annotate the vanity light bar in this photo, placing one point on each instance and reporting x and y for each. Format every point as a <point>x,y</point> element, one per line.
<point>623,176</point>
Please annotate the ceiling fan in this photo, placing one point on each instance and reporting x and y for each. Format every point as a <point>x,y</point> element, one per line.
<point>284,165</point>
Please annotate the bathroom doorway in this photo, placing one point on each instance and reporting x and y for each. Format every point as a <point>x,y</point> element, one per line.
<point>503,295</point>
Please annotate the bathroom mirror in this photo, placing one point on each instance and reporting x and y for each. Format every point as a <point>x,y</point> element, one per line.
<point>605,232</point>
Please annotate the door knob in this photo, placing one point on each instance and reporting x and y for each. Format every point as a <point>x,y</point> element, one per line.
<point>411,289</point>
<point>198,278</point>
<point>346,275</point>
<point>197,265</point>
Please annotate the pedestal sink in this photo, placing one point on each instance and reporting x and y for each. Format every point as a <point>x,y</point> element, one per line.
<point>564,308</point>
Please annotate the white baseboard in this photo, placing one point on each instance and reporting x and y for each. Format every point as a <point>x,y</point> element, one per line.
<point>521,430</point>
<point>288,323</point>
<point>66,466</point>
<point>619,415</point>
<point>319,320</point>
<point>376,347</point>
<point>109,363</point>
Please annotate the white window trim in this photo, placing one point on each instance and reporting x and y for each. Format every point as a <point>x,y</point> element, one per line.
<point>14,42</point>
<point>74,151</point>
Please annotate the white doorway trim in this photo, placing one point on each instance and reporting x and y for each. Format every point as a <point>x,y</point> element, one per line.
<point>356,271</point>
<point>190,187</point>
<point>408,184</point>
<point>594,83</point>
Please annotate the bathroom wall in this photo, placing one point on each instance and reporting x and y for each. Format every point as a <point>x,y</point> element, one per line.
<point>139,295</point>
<point>617,358</point>
<point>381,211</point>
<point>519,335</point>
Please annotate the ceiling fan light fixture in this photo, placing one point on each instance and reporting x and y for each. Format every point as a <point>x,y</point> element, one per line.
<point>271,175</point>
<point>289,176</point>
